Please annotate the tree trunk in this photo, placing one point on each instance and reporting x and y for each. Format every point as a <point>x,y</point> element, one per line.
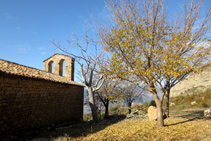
<point>167,104</point>
<point>129,107</point>
<point>92,104</point>
<point>160,121</point>
<point>106,109</point>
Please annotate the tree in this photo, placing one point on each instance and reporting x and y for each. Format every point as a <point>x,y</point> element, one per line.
<point>130,93</point>
<point>148,48</point>
<point>152,103</point>
<point>91,56</point>
<point>108,93</point>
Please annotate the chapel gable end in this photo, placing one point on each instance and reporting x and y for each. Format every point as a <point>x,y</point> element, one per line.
<point>55,64</point>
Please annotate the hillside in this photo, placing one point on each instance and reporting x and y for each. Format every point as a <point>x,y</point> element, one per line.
<point>194,83</point>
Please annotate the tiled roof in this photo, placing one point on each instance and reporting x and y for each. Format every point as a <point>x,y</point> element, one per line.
<point>20,70</point>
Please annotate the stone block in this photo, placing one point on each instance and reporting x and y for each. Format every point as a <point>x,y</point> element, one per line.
<point>152,113</point>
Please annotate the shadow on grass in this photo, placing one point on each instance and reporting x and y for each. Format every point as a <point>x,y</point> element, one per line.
<point>198,115</point>
<point>72,130</point>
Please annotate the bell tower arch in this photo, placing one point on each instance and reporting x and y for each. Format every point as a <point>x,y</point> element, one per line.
<point>58,60</point>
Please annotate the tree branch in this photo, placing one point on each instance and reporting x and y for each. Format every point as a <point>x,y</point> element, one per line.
<point>83,75</point>
<point>97,88</point>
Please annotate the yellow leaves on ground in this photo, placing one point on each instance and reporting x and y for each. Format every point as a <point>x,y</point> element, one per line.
<point>143,129</point>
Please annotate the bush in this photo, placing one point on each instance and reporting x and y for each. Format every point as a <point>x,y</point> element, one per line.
<point>101,115</point>
<point>136,107</point>
<point>114,109</point>
<point>145,105</point>
<point>118,109</point>
<point>87,117</point>
<point>152,103</point>
<point>203,100</point>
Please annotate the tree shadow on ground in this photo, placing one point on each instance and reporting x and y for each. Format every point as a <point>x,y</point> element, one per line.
<point>72,130</point>
<point>199,115</point>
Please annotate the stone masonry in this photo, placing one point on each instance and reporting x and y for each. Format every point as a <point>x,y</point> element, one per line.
<point>31,99</point>
<point>58,59</point>
<point>152,113</point>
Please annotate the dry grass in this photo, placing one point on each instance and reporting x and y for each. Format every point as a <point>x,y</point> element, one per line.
<point>135,129</point>
<point>186,126</point>
<point>202,99</point>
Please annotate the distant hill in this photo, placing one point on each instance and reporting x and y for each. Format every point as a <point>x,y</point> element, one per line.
<point>194,83</point>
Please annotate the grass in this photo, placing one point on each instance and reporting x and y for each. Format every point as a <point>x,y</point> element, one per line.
<point>186,122</point>
<point>135,129</point>
<point>202,99</point>
<point>182,127</point>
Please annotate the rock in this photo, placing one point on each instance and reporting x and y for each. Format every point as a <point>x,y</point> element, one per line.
<point>207,113</point>
<point>193,103</point>
<point>136,114</point>
<point>130,116</point>
<point>152,113</point>
<point>172,104</point>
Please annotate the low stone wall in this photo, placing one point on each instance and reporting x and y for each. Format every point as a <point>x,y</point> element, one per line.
<point>31,103</point>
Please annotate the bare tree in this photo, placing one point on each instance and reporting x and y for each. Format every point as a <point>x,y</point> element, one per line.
<point>89,61</point>
<point>130,93</point>
<point>108,93</point>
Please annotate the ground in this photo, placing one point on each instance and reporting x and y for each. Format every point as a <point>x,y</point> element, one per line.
<point>187,124</point>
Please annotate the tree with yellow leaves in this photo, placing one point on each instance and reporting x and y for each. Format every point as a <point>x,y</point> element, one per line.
<point>149,49</point>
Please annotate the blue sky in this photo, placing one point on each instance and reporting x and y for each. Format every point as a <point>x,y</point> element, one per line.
<point>28,26</point>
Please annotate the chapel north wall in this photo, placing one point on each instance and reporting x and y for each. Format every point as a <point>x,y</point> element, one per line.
<point>28,103</point>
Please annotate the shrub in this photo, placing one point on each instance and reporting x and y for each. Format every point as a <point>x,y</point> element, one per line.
<point>152,103</point>
<point>145,105</point>
<point>114,109</point>
<point>136,107</point>
<point>87,117</point>
<point>202,99</point>
<point>118,109</point>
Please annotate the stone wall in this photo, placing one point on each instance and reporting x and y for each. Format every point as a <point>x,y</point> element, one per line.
<point>28,103</point>
<point>58,60</point>
<point>31,99</point>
